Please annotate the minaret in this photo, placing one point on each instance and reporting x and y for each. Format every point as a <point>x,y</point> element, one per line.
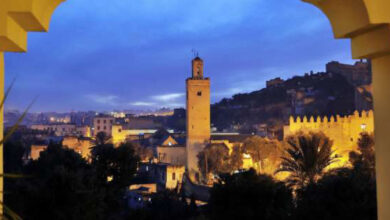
<point>198,116</point>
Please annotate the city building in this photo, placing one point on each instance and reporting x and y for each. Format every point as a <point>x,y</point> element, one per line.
<point>198,116</point>
<point>59,129</point>
<point>103,123</point>
<point>274,82</point>
<point>166,176</point>
<point>35,151</point>
<point>357,74</point>
<point>172,151</point>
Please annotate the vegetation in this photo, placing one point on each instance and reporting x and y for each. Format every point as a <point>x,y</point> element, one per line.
<point>261,149</point>
<point>214,159</point>
<point>62,185</point>
<point>307,157</point>
<point>365,157</point>
<point>250,196</point>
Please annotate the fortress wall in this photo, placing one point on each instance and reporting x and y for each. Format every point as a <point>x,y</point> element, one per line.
<point>343,131</point>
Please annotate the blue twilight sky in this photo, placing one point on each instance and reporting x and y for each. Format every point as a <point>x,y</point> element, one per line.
<point>135,54</point>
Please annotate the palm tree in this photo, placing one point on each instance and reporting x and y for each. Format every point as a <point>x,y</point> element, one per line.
<point>306,158</point>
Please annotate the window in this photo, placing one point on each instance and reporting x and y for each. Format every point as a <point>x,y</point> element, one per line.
<point>98,127</point>
<point>119,130</point>
<point>200,93</point>
<point>173,176</point>
<point>104,121</point>
<point>104,127</point>
<point>111,121</point>
<point>98,121</point>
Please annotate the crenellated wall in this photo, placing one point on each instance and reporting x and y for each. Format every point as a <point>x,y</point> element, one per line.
<point>343,131</point>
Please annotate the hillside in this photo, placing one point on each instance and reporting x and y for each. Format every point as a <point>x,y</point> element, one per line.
<point>312,94</point>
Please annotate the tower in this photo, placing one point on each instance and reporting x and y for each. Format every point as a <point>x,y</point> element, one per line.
<point>198,116</point>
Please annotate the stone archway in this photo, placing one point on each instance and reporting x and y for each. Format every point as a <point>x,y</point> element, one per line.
<point>365,22</point>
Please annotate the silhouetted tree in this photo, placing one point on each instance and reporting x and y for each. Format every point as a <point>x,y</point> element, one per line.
<point>340,194</point>
<point>13,156</point>
<point>114,166</point>
<point>59,185</point>
<point>101,138</point>
<point>249,196</point>
<point>307,157</point>
<point>364,159</point>
<point>164,205</point>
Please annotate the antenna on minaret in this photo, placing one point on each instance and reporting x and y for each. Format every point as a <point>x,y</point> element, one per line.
<point>195,53</point>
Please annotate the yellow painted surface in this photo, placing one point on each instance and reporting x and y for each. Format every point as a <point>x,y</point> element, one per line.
<point>17,17</point>
<point>198,115</point>
<point>36,150</point>
<point>343,131</point>
<point>82,146</point>
<point>174,176</point>
<point>1,129</point>
<point>381,93</point>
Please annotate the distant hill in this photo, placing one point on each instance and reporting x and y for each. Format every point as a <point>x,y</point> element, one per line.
<point>312,94</point>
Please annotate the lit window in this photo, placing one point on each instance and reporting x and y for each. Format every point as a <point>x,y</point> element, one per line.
<point>169,143</point>
<point>363,126</point>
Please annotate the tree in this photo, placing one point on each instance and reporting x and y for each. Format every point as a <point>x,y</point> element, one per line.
<point>144,153</point>
<point>101,138</point>
<point>114,166</point>
<point>235,159</point>
<point>214,159</point>
<point>307,157</point>
<point>59,185</point>
<point>13,156</point>
<point>364,159</point>
<point>249,196</point>
<point>259,149</point>
<point>340,194</point>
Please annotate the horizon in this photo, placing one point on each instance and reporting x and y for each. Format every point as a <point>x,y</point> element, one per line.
<point>137,55</point>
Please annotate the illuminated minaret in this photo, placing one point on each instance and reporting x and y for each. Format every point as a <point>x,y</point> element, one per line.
<point>198,116</point>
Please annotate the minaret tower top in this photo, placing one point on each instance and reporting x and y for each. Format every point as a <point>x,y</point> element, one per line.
<point>197,68</point>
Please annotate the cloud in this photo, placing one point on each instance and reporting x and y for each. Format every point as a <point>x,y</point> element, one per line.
<point>104,99</point>
<point>168,97</point>
<point>142,103</point>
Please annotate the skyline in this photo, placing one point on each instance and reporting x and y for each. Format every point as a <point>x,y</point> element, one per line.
<point>137,55</point>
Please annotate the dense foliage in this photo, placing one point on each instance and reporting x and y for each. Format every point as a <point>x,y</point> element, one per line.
<point>307,157</point>
<point>62,185</point>
<point>250,196</point>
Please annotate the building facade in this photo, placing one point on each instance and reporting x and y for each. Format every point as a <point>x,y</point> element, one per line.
<point>198,116</point>
<point>103,123</point>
